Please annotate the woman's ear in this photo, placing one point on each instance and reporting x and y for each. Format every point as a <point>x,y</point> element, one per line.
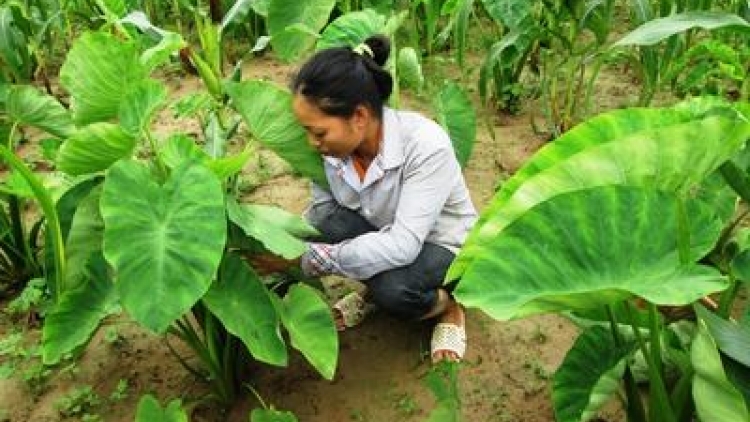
<point>361,116</point>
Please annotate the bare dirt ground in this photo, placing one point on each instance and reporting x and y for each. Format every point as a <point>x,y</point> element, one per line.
<point>505,377</point>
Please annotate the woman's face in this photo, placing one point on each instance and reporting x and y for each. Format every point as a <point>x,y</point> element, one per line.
<point>331,135</point>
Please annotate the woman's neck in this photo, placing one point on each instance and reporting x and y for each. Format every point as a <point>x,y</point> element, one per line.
<point>370,146</point>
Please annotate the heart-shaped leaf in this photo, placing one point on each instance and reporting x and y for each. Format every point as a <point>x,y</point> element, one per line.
<point>593,247</point>
<point>98,72</point>
<point>272,415</point>
<point>94,148</point>
<point>149,410</point>
<point>164,242</point>
<point>267,111</point>
<point>716,399</point>
<point>140,105</point>
<point>73,320</point>
<point>279,230</point>
<point>456,114</point>
<point>25,105</point>
<point>589,375</point>
<point>283,15</point>
<point>310,324</point>
<point>351,29</point>
<point>628,147</point>
<point>240,300</point>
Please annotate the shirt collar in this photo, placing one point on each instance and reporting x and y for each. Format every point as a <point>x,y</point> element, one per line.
<point>391,154</point>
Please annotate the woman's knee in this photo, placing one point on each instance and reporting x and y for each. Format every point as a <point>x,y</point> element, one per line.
<point>400,299</point>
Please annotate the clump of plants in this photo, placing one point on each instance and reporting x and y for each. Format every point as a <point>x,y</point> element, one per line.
<point>625,214</point>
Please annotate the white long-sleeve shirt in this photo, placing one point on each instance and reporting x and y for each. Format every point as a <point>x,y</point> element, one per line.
<point>413,191</point>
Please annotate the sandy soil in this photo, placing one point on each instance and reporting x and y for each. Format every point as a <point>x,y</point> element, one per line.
<point>505,377</point>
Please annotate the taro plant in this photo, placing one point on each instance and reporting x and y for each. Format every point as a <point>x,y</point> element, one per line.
<point>27,40</point>
<point>500,75</point>
<point>613,221</point>
<point>711,67</point>
<point>21,256</point>
<point>570,59</point>
<point>672,33</point>
<point>154,226</point>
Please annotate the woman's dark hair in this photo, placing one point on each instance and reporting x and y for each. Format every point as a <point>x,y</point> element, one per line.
<point>339,79</point>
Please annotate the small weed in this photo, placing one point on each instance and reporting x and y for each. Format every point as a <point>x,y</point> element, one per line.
<point>539,336</point>
<point>357,416</point>
<point>78,402</point>
<point>406,405</point>
<point>538,369</point>
<point>36,376</point>
<point>113,337</point>
<point>120,392</point>
<point>30,298</point>
<point>23,361</point>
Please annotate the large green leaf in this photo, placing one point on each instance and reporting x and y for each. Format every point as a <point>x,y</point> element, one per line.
<point>160,53</point>
<point>98,72</point>
<point>180,148</point>
<point>635,147</point>
<point>589,375</point>
<point>716,399</point>
<point>409,68</point>
<point>84,238</point>
<point>659,29</point>
<point>311,330</point>
<point>285,20</point>
<point>149,410</point>
<point>140,105</point>
<point>606,127</point>
<point>667,158</point>
<point>27,106</point>
<point>593,247</point>
<point>456,114</point>
<point>267,111</point>
<point>94,148</point>
<point>442,380</point>
<point>733,339</point>
<point>69,201</point>
<point>272,415</point>
<point>71,322</point>
<point>279,230</point>
<point>164,242</point>
<point>351,29</point>
<point>237,13</point>
<point>240,300</point>
<point>509,13</point>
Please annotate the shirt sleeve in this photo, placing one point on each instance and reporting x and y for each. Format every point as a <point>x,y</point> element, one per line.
<point>427,183</point>
<point>321,205</point>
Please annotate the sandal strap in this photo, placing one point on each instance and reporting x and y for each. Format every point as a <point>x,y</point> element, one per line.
<point>448,337</point>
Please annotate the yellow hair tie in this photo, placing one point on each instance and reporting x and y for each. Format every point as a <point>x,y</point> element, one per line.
<point>363,49</point>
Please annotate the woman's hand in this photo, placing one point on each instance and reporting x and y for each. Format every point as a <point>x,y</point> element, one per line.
<point>265,264</point>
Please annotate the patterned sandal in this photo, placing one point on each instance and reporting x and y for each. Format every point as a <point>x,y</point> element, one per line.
<point>353,309</point>
<point>448,337</point>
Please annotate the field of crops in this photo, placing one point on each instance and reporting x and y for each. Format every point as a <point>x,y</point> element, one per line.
<point>148,150</point>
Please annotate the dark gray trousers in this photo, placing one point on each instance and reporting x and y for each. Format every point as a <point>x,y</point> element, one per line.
<point>407,292</point>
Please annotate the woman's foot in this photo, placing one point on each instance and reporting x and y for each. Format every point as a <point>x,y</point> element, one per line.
<point>449,335</point>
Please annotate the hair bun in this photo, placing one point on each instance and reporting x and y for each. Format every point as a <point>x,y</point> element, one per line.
<point>381,48</point>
